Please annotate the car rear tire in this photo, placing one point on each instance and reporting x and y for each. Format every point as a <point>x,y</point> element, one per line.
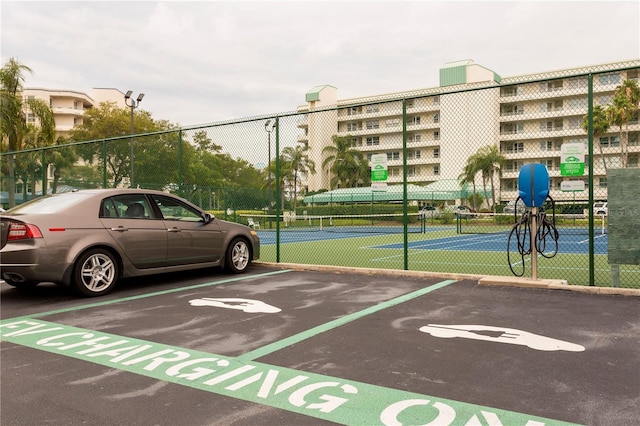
<point>238,256</point>
<point>95,273</point>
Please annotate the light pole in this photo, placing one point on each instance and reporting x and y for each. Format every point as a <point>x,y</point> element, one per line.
<point>268,127</point>
<point>133,104</point>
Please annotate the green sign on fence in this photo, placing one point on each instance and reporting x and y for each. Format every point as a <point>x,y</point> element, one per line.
<point>572,159</point>
<point>379,172</point>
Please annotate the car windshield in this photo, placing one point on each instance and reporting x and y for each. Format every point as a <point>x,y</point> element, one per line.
<point>50,203</point>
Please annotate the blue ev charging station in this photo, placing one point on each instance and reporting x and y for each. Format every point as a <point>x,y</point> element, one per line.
<point>533,228</point>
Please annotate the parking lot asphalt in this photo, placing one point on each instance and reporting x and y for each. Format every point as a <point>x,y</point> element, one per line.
<point>285,345</point>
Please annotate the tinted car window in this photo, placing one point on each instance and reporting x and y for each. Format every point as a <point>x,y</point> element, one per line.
<point>50,203</point>
<point>175,210</point>
<point>131,206</point>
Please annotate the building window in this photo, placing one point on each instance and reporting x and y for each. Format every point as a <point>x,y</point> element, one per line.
<point>417,152</point>
<point>436,152</point>
<point>546,146</point>
<point>511,109</point>
<point>575,123</point>
<point>578,103</point>
<point>373,124</point>
<point>436,118</point>
<point>608,79</point>
<point>609,141</point>
<point>436,100</point>
<point>393,155</point>
<point>553,106</point>
<point>602,182</point>
<point>509,91</point>
<point>352,126</point>
<point>395,122</point>
<point>373,140</point>
<point>31,118</point>
<point>409,104</point>
<point>577,83</point>
<point>551,86</point>
<point>372,108</point>
<point>550,126</point>
<point>352,111</point>
<point>414,120</point>
<point>633,139</point>
<point>604,99</point>
<point>414,138</point>
<point>436,169</point>
<point>511,128</point>
<point>513,147</point>
<point>436,135</point>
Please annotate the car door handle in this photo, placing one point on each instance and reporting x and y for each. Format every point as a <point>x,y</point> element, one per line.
<point>120,228</point>
<point>173,230</point>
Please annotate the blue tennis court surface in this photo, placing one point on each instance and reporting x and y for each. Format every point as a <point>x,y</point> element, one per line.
<point>301,236</point>
<point>567,243</point>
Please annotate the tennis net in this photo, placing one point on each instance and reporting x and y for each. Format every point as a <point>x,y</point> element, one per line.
<point>501,223</point>
<point>391,223</point>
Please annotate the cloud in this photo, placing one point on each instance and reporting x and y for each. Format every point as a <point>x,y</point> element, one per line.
<point>206,61</point>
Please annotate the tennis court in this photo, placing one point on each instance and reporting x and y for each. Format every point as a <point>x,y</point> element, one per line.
<point>567,243</point>
<point>441,248</point>
<point>461,236</point>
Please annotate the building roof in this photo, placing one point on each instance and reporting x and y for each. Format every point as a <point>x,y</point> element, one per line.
<point>314,93</point>
<point>443,190</point>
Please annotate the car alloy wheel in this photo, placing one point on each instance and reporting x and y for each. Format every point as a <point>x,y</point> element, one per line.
<point>96,273</point>
<point>238,256</point>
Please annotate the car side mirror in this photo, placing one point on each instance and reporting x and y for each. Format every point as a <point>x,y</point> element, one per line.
<point>206,218</point>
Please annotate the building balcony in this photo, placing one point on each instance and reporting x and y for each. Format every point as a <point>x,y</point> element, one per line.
<point>77,112</point>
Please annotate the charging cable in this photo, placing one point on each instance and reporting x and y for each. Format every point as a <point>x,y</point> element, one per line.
<point>546,233</point>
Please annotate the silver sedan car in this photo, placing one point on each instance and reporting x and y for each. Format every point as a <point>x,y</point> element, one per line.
<point>90,239</point>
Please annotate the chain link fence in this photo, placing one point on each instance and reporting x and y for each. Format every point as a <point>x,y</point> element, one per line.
<point>445,200</point>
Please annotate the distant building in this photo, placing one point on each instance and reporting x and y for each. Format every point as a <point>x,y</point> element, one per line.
<point>69,106</point>
<point>528,117</point>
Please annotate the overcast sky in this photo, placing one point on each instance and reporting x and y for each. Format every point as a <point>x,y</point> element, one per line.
<point>208,61</point>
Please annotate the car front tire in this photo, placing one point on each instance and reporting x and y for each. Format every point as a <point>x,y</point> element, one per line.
<point>238,256</point>
<point>95,273</point>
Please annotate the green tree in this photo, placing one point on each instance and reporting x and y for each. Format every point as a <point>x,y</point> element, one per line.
<point>13,117</point>
<point>299,164</point>
<point>492,162</point>
<point>624,108</point>
<point>62,159</point>
<point>109,121</point>
<point>600,127</point>
<point>467,176</point>
<point>348,166</point>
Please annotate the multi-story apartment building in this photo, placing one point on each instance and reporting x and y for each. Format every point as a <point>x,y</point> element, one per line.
<point>528,117</point>
<point>69,106</point>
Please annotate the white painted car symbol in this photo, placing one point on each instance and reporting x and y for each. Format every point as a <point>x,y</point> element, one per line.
<point>246,305</point>
<point>501,335</point>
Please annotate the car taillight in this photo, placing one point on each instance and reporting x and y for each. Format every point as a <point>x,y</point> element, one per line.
<point>23,231</point>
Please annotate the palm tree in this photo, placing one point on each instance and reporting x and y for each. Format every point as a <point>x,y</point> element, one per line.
<point>13,119</point>
<point>489,161</point>
<point>299,163</point>
<point>62,159</point>
<point>622,109</point>
<point>468,175</point>
<point>600,127</point>
<point>346,164</point>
